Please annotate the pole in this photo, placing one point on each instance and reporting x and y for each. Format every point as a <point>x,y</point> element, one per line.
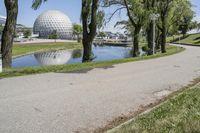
<point>1,70</point>
<point>154,30</point>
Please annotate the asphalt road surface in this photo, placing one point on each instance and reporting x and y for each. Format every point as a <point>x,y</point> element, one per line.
<point>82,102</point>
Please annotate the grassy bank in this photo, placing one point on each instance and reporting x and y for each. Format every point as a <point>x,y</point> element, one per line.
<point>173,38</point>
<point>179,114</point>
<point>82,66</point>
<point>23,49</point>
<point>191,39</point>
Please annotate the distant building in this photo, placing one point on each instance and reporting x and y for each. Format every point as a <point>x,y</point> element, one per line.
<point>2,20</point>
<point>194,31</point>
<point>116,36</point>
<point>51,21</point>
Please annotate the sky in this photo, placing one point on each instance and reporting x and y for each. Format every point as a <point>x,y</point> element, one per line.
<point>72,9</point>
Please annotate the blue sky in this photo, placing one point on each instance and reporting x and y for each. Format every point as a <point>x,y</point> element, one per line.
<point>72,8</point>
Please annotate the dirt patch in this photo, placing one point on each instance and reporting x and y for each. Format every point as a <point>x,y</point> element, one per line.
<point>162,93</point>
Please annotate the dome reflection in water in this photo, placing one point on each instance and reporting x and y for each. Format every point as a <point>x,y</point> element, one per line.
<point>53,57</point>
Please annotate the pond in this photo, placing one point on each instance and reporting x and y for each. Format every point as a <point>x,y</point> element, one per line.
<point>101,53</point>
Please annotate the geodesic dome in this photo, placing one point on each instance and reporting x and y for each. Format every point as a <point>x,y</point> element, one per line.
<point>51,21</point>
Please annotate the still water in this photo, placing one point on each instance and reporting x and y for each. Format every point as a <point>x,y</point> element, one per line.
<point>101,53</point>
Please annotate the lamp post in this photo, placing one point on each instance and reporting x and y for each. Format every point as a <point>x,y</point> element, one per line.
<point>154,17</point>
<point>1,68</point>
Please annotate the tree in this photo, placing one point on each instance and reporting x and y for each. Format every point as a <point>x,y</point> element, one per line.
<point>8,32</point>
<point>178,12</point>
<point>171,13</point>
<point>37,3</point>
<point>77,30</point>
<point>100,19</point>
<point>102,34</point>
<point>27,33</point>
<point>185,22</point>
<point>1,29</point>
<point>137,17</point>
<point>54,35</point>
<point>184,27</point>
<point>89,22</point>
<point>164,8</point>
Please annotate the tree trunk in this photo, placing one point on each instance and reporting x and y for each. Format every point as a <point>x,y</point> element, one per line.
<point>150,38</point>
<point>89,12</point>
<point>87,50</point>
<point>78,38</point>
<point>8,32</point>
<point>158,40</point>
<point>136,51</point>
<point>163,35</point>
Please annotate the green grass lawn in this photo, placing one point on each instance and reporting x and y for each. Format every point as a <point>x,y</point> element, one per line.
<point>81,66</point>
<point>172,38</point>
<point>191,39</point>
<point>23,49</point>
<point>179,114</point>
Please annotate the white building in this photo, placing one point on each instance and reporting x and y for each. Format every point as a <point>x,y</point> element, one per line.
<point>51,21</point>
<point>2,20</point>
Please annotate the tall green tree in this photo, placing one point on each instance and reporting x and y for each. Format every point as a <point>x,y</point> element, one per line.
<point>137,17</point>
<point>77,31</point>
<point>102,34</point>
<point>8,32</point>
<point>54,35</point>
<point>171,13</point>
<point>186,25</point>
<point>164,7</point>
<point>27,33</point>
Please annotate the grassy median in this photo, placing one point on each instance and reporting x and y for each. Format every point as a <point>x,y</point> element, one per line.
<point>23,49</point>
<point>179,114</point>
<point>82,66</point>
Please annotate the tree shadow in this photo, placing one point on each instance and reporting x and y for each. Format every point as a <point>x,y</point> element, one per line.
<point>198,42</point>
<point>198,38</point>
<point>84,71</point>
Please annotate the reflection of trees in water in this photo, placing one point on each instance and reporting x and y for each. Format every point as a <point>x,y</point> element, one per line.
<point>77,53</point>
<point>129,53</point>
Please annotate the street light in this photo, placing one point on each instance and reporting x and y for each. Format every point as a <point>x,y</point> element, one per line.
<point>1,69</point>
<point>154,17</point>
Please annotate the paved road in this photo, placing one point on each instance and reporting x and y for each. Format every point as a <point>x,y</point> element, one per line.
<point>64,103</point>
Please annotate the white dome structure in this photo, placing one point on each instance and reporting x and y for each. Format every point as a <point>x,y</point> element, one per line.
<point>51,21</point>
